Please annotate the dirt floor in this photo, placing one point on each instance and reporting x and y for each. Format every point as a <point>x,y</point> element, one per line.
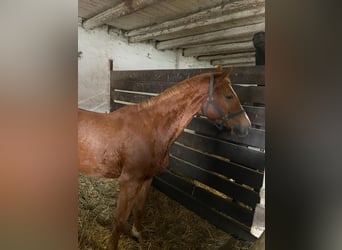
<point>167,224</point>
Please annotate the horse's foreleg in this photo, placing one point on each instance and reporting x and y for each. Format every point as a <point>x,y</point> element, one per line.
<point>138,209</point>
<point>128,191</point>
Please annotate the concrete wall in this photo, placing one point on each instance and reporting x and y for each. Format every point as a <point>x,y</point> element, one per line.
<point>98,46</point>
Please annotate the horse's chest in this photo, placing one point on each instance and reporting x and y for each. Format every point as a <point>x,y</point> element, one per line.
<point>160,165</point>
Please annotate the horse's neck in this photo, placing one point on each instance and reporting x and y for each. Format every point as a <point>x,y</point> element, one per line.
<point>174,112</point>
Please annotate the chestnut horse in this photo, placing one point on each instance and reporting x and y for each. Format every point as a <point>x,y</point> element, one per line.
<point>133,142</point>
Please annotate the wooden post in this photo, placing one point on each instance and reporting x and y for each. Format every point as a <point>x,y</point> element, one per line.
<point>110,63</point>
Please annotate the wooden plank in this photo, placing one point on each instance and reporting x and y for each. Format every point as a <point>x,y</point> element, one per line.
<point>256,115</point>
<point>229,48</point>
<point>116,106</point>
<point>122,9</point>
<point>250,94</point>
<point>211,200</point>
<point>174,180</point>
<point>251,75</point>
<point>222,222</point>
<point>230,35</point>
<point>221,205</point>
<point>237,192</point>
<point>242,75</point>
<point>238,154</point>
<point>231,170</point>
<point>255,138</point>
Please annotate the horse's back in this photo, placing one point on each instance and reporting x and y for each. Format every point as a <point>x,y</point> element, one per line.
<point>87,115</point>
<point>91,124</point>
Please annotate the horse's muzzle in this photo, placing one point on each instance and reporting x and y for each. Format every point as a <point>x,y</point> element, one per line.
<point>241,131</point>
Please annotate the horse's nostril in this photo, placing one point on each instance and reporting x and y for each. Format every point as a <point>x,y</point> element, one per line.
<point>241,131</point>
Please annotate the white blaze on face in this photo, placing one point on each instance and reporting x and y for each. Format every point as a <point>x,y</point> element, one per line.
<point>246,116</point>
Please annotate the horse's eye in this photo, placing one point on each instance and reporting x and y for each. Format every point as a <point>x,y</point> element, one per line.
<point>229,97</point>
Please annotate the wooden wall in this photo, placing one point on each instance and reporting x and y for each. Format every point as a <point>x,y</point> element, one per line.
<point>211,172</point>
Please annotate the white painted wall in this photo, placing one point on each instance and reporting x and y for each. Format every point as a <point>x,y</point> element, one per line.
<point>99,45</point>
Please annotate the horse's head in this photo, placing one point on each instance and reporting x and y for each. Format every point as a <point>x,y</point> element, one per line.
<point>223,106</point>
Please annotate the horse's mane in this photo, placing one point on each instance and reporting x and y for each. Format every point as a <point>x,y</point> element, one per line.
<point>180,87</point>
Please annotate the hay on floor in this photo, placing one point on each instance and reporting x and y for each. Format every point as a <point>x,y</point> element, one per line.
<point>167,224</point>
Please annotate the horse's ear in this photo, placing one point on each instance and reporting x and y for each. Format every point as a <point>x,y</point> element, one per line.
<point>219,69</point>
<point>228,72</point>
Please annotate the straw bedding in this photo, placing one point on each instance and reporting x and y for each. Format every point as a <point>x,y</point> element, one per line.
<point>167,224</point>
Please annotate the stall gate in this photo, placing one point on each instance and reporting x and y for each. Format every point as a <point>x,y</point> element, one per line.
<point>213,173</point>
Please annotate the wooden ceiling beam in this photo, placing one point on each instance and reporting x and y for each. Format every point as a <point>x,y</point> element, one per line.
<point>229,35</point>
<point>226,56</point>
<point>220,49</point>
<point>234,61</point>
<point>238,65</point>
<point>241,39</point>
<point>122,9</point>
<point>204,21</point>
